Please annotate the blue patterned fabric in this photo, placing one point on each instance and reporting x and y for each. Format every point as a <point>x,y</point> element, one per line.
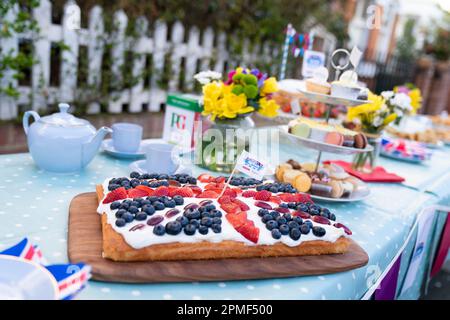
<point>35,204</point>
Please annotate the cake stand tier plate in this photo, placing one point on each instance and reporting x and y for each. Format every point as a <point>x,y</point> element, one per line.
<point>328,99</point>
<point>321,146</point>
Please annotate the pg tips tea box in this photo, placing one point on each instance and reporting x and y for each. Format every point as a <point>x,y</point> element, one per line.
<point>183,113</point>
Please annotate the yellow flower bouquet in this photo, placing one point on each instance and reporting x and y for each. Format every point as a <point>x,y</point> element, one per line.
<point>227,106</point>
<point>374,116</point>
<point>244,92</point>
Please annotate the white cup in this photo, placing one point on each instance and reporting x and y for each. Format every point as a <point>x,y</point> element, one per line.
<point>161,158</point>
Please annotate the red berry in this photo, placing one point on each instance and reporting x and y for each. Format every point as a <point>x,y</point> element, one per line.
<point>249,231</point>
<point>146,189</point>
<point>282,210</point>
<point>320,219</point>
<point>275,199</point>
<point>211,185</point>
<point>205,178</point>
<point>248,193</point>
<point>263,195</point>
<point>137,193</point>
<point>195,189</point>
<point>185,192</point>
<point>346,229</point>
<point>241,204</point>
<point>208,194</point>
<point>301,214</point>
<point>220,179</point>
<point>237,190</point>
<point>174,183</point>
<point>161,191</point>
<point>263,205</point>
<point>230,207</point>
<point>237,219</point>
<point>304,198</point>
<point>225,199</point>
<point>288,197</point>
<point>230,192</point>
<point>117,194</point>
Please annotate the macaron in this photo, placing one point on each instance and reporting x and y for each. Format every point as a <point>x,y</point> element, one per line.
<point>308,167</point>
<point>348,189</point>
<point>289,175</point>
<point>360,141</point>
<point>321,189</point>
<point>302,182</point>
<point>349,141</point>
<point>337,189</point>
<point>318,134</point>
<point>334,138</point>
<point>337,172</point>
<point>279,171</point>
<point>301,130</point>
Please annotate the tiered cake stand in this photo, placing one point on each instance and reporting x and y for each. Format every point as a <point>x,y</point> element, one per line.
<point>330,148</point>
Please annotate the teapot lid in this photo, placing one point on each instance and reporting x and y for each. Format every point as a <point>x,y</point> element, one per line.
<point>63,118</point>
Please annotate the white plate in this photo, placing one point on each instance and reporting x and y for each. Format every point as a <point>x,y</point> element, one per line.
<point>25,280</point>
<point>321,146</point>
<point>326,98</point>
<point>107,146</point>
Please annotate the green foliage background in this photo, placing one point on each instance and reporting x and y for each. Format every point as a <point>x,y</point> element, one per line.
<point>254,19</point>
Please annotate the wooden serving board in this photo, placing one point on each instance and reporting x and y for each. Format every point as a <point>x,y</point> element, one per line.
<point>85,245</point>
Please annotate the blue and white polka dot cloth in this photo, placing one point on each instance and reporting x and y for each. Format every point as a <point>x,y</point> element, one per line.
<point>35,204</point>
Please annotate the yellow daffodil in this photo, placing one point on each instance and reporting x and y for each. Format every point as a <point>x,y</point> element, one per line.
<point>220,102</point>
<point>269,86</point>
<point>377,103</point>
<point>268,108</point>
<point>416,99</point>
<point>390,118</point>
<point>211,94</point>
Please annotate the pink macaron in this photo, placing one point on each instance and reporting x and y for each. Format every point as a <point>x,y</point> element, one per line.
<point>334,138</point>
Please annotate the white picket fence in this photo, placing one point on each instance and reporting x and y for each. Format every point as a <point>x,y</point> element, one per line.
<point>212,49</point>
<point>40,93</point>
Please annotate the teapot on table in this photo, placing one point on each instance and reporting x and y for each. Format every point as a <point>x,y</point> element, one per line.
<point>61,142</point>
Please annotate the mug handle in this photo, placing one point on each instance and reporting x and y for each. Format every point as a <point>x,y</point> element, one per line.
<point>26,117</point>
<point>176,152</point>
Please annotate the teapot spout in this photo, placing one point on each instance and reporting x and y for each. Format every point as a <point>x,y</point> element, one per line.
<point>90,148</point>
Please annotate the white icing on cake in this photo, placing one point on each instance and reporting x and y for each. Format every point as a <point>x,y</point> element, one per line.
<point>145,237</point>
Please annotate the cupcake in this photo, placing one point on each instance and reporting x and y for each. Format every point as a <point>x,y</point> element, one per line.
<point>317,86</point>
<point>344,90</point>
<point>347,86</point>
<point>318,83</point>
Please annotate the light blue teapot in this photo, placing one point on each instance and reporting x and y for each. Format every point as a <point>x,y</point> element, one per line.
<point>61,142</point>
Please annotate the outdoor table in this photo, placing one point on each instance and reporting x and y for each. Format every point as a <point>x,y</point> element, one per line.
<point>35,204</point>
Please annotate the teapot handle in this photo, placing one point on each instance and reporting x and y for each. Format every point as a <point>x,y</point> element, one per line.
<point>25,121</point>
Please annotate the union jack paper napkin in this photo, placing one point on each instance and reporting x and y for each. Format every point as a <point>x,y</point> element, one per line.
<point>71,278</point>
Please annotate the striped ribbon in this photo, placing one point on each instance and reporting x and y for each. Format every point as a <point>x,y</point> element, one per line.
<point>285,51</point>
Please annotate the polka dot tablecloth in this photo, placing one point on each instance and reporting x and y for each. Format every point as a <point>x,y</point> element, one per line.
<point>34,204</point>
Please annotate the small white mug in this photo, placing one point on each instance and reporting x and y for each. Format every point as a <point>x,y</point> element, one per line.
<point>161,158</point>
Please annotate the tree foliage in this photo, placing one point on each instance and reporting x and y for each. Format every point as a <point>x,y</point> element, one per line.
<point>406,46</point>
<point>254,19</point>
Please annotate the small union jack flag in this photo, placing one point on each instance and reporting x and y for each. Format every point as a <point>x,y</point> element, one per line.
<point>71,278</point>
